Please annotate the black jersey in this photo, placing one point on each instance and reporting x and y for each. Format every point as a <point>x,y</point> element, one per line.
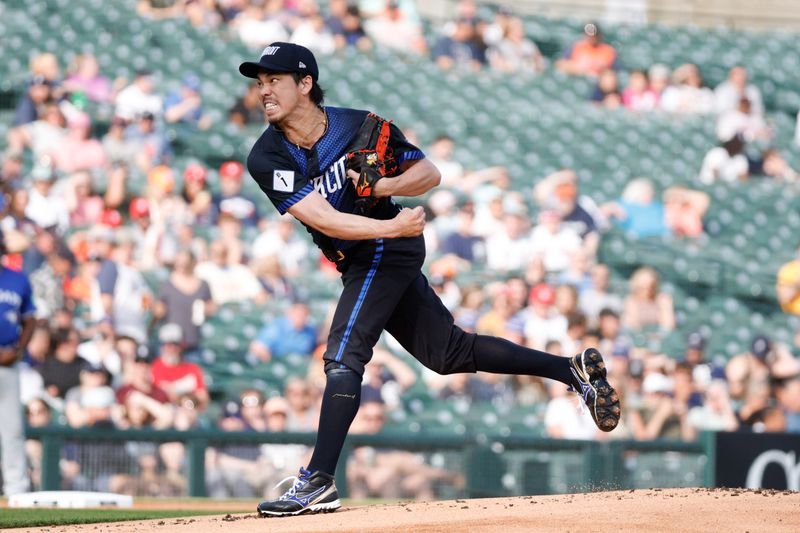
<point>287,173</point>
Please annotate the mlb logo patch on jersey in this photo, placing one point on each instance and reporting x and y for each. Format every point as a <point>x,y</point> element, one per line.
<point>283,180</point>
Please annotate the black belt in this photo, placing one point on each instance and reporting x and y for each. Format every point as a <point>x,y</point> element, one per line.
<point>335,256</point>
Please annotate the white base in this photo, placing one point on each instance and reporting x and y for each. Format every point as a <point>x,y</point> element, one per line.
<point>70,499</point>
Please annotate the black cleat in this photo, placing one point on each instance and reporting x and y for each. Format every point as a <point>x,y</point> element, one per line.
<point>589,381</point>
<point>309,493</point>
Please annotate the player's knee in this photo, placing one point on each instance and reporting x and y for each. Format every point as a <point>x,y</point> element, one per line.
<point>458,356</point>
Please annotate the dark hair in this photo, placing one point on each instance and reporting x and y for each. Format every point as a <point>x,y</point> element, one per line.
<point>734,145</point>
<point>36,400</point>
<point>62,336</point>
<point>576,319</point>
<point>606,311</point>
<point>317,93</point>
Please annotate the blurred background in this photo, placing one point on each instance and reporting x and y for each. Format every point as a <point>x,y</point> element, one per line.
<point>619,173</point>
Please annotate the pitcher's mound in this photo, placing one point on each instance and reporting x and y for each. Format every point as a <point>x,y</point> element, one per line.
<point>649,510</point>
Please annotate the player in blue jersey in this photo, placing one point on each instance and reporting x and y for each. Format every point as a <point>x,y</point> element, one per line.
<point>16,327</point>
<point>300,162</point>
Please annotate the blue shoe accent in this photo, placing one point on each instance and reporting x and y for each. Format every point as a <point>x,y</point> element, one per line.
<point>309,493</point>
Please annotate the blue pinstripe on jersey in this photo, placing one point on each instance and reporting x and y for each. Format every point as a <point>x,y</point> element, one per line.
<point>361,296</point>
<point>410,156</point>
<point>299,156</point>
<point>296,197</point>
<point>330,149</point>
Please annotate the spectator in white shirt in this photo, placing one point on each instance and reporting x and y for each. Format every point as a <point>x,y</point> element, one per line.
<point>41,135</point>
<point>744,120</point>
<point>510,249</point>
<point>121,297</point>
<point>725,162</point>
<point>138,98</point>
<point>313,34</point>
<point>454,176</point>
<point>555,242</point>
<point>45,207</point>
<point>256,28</point>
<point>393,29</point>
<point>229,282</point>
<point>687,93</point>
<point>515,52</point>
<point>281,240</point>
<point>563,419</point>
<point>489,215</point>
<point>728,93</point>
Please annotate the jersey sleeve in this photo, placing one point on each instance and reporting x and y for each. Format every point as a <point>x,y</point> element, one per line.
<point>277,177</point>
<point>401,147</point>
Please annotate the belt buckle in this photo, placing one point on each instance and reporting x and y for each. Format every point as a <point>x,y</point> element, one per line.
<point>334,255</point>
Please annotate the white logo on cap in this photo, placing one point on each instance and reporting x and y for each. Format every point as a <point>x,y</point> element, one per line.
<point>270,50</point>
<point>301,65</point>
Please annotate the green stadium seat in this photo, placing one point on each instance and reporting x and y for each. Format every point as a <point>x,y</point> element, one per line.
<point>544,126</point>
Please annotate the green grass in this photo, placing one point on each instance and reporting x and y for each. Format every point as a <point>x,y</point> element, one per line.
<point>37,517</point>
<point>11,518</point>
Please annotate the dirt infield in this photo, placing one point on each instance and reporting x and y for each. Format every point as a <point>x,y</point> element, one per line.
<point>654,510</point>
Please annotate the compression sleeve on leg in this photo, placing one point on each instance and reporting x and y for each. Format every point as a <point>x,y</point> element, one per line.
<point>500,356</point>
<point>340,403</point>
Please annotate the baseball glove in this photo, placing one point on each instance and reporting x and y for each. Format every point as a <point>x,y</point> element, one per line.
<point>370,155</point>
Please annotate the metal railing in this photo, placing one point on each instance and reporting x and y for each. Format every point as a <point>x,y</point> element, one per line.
<point>490,465</point>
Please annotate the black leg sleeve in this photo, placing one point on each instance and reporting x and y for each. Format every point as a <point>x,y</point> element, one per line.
<point>339,407</point>
<point>500,356</point>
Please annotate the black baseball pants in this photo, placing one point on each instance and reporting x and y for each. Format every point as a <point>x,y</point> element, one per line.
<point>384,288</point>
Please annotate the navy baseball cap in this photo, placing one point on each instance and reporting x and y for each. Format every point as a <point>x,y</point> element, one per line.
<point>282,57</point>
<point>696,341</point>
<point>760,346</point>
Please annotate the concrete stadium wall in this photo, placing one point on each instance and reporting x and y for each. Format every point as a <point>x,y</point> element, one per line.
<point>741,14</point>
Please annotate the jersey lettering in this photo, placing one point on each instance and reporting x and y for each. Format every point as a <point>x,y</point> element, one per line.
<point>9,297</point>
<point>333,179</point>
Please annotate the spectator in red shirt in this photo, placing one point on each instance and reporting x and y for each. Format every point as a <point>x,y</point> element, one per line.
<point>171,373</point>
<point>139,378</point>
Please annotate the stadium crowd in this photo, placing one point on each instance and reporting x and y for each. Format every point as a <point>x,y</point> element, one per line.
<point>113,348</point>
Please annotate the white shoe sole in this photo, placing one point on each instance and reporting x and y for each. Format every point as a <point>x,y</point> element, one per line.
<point>327,507</point>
